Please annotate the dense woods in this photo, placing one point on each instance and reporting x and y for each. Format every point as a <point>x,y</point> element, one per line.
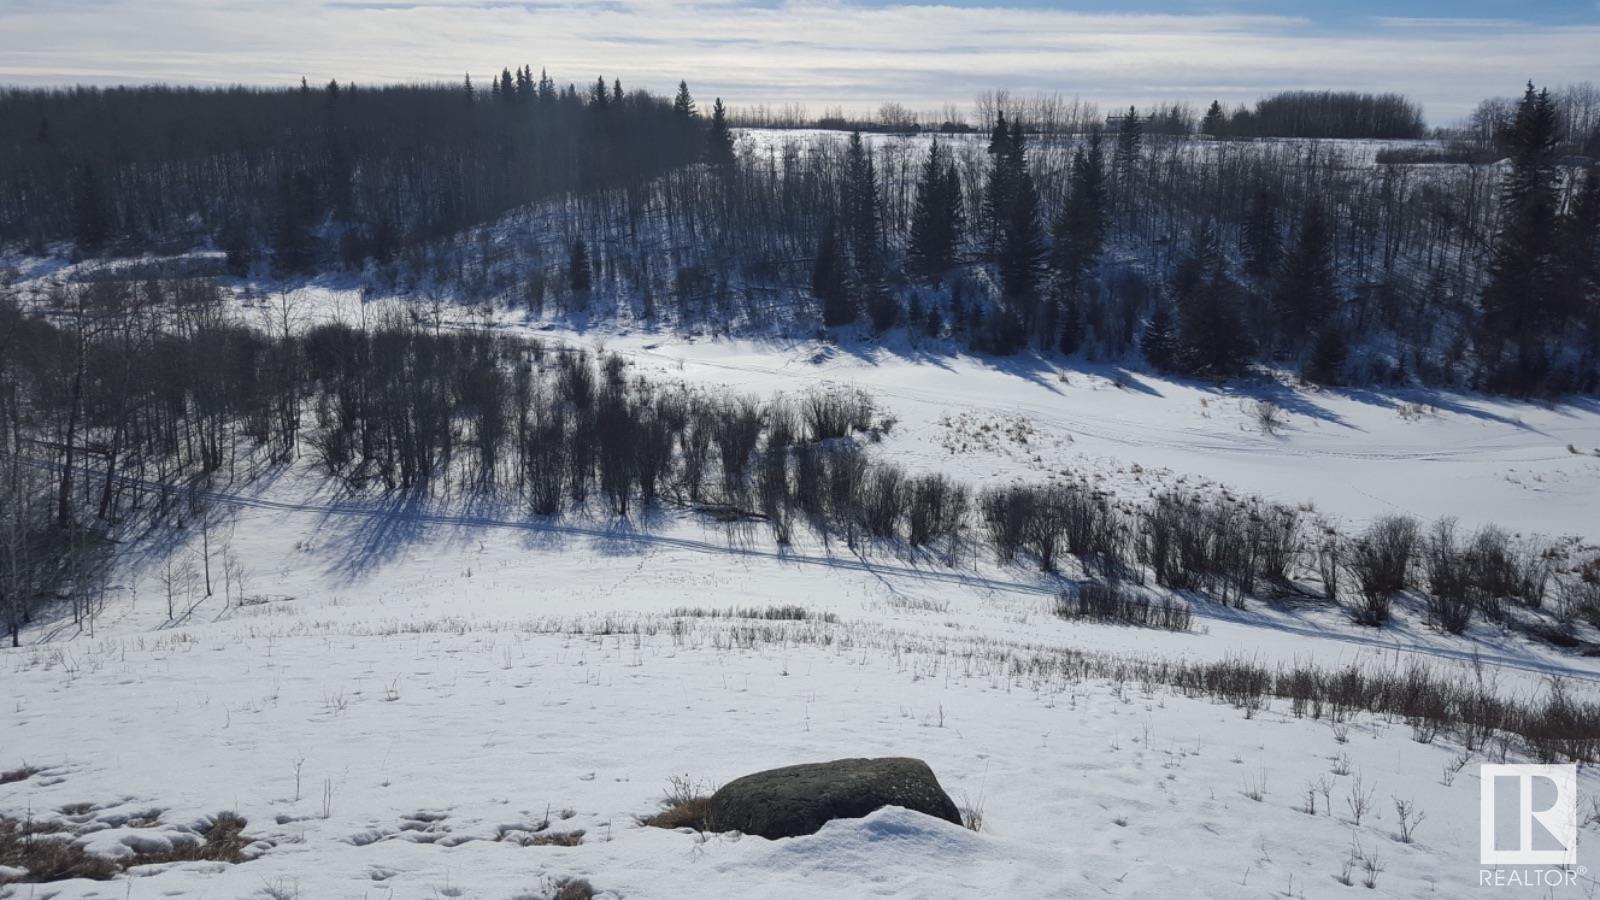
<point>303,177</point>
<point>1069,233</point>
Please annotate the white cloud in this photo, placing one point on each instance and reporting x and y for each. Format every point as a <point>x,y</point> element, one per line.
<point>807,51</point>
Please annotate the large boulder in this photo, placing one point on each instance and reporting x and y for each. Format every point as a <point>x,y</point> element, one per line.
<point>797,800</point>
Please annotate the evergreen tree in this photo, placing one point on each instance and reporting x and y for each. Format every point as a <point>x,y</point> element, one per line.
<point>616,92</point>
<point>1215,122</point>
<point>600,97</point>
<point>830,280</point>
<point>719,149</point>
<point>1021,253</point>
<point>863,228</point>
<point>1130,142</point>
<point>508,90</point>
<point>1522,298</point>
<point>1000,137</point>
<point>547,87</point>
<point>1580,253</point>
<point>1262,248</point>
<point>471,93</point>
<point>998,191</point>
<point>1070,340</point>
<point>683,104</point>
<point>1159,342</point>
<point>91,214</point>
<point>936,218</point>
<point>294,242</point>
<point>580,270</point>
<point>1211,327</point>
<point>1328,354</point>
<point>1305,293</point>
<point>1081,225</point>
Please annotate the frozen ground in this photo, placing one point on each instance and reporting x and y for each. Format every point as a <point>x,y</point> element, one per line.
<point>405,690</point>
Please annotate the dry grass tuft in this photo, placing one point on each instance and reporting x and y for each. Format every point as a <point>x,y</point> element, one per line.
<point>686,805</point>
<point>574,889</point>
<point>19,774</point>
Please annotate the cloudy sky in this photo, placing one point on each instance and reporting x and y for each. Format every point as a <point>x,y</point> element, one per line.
<point>857,53</point>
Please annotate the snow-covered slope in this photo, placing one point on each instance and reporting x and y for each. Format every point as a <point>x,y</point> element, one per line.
<point>398,693</point>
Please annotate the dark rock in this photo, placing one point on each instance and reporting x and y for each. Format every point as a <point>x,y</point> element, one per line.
<point>797,800</point>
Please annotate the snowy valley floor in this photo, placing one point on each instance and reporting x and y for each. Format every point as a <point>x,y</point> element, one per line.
<point>429,697</point>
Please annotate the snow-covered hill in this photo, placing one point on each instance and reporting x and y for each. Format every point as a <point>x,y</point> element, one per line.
<point>402,695</point>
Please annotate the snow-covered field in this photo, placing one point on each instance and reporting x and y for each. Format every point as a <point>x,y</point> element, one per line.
<point>397,694</point>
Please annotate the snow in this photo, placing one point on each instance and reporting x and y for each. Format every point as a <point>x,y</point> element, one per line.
<point>409,692</point>
<point>1086,788</point>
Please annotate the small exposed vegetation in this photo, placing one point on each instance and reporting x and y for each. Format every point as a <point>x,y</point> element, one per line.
<point>50,851</point>
<point>686,805</point>
<point>1116,602</point>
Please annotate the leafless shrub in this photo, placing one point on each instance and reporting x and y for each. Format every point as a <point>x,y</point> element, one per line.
<point>1359,800</point>
<point>835,413</point>
<point>1006,514</point>
<point>937,509</point>
<point>1114,602</point>
<point>1330,562</point>
<point>1381,560</point>
<point>1449,572</point>
<point>883,500</point>
<point>1268,416</point>
<point>1409,816</point>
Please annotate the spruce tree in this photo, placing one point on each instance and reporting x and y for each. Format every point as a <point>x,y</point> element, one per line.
<point>1305,293</point>
<point>1328,354</point>
<point>235,243</point>
<point>1130,141</point>
<point>998,191</point>
<point>1522,298</point>
<point>91,215</point>
<point>719,147</point>
<point>829,279</point>
<point>1580,255</point>
<point>1000,137</point>
<point>935,220</point>
<point>1211,328</point>
<point>1021,251</point>
<point>1159,342</point>
<point>683,104</point>
<point>1081,225</point>
<point>1215,122</point>
<point>467,88</point>
<point>294,243</point>
<point>1070,339</point>
<point>580,270</point>
<point>863,229</point>
<point>1262,248</point>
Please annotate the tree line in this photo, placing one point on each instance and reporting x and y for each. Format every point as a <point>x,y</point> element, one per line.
<point>124,403</point>
<point>1206,257</point>
<point>297,178</point>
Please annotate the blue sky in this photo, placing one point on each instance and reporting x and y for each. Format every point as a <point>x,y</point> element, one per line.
<point>854,53</point>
